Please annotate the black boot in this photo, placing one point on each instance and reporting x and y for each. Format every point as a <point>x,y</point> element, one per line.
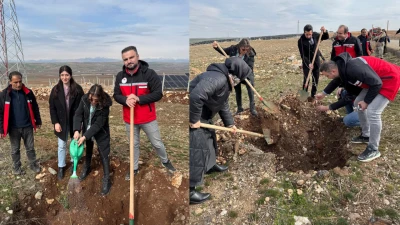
<point>253,109</point>
<point>217,168</point>
<point>105,189</point>
<point>197,197</point>
<point>60,174</point>
<point>85,172</point>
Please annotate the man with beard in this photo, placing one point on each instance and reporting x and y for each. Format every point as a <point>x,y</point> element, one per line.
<point>139,86</point>
<point>209,93</point>
<point>345,42</point>
<point>307,44</point>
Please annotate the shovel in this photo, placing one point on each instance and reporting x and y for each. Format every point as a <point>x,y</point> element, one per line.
<point>131,169</point>
<point>303,94</point>
<point>272,108</point>
<point>76,152</point>
<point>266,135</point>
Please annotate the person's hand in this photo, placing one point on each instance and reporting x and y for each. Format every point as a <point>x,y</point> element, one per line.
<point>130,102</point>
<point>338,92</point>
<point>363,105</point>
<point>76,135</point>
<point>215,44</point>
<point>57,127</point>
<point>81,140</point>
<point>322,108</point>
<point>311,66</point>
<point>133,96</point>
<point>234,128</point>
<point>195,125</point>
<point>323,29</point>
<point>320,96</point>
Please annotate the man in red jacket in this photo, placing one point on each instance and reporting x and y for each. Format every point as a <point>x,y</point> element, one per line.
<point>139,86</point>
<point>380,81</point>
<point>345,42</point>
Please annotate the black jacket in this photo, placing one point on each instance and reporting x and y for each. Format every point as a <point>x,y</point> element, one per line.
<point>352,93</point>
<point>351,45</point>
<point>99,128</point>
<point>365,43</point>
<point>209,91</point>
<point>58,109</point>
<point>234,51</point>
<point>353,71</point>
<point>307,52</point>
<point>5,108</point>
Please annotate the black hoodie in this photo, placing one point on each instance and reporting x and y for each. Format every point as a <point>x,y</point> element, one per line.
<point>209,91</point>
<point>307,51</point>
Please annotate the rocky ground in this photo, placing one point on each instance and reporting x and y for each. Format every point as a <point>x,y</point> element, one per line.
<point>311,175</point>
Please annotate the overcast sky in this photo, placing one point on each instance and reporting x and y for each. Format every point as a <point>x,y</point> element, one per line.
<point>55,29</point>
<point>238,18</point>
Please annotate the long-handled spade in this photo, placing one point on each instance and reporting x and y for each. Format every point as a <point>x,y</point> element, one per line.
<point>266,135</point>
<point>131,182</point>
<point>303,94</point>
<point>272,108</point>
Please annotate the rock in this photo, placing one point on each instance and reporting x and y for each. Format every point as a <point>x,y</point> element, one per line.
<point>290,192</point>
<point>52,171</point>
<point>38,195</point>
<point>29,209</point>
<point>49,201</point>
<point>323,174</point>
<point>96,173</point>
<point>341,172</point>
<point>115,163</point>
<point>40,176</point>
<point>183,217</point>
<point>319,189</point>
<point>224,212</point>
<point>10,211</point>
<point>266,199</point>
<point>299,192</point>
<point>386,202</point>
<point>354,216</point>
<point>177,179</point>
<point>300,182</point>
<point>299,220</point>
<point>54,212</point>
<point>198,211</point>
<point>140,162</point>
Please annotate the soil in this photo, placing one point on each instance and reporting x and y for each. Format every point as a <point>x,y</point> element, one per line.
<point>304,139</point>
<point>180,97</point>
<point>83,204</point>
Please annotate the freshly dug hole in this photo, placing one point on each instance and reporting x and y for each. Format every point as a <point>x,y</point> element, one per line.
<point>308,139</point>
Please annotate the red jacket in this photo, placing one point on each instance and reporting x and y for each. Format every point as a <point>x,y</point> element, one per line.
<point>5,101</point>
<point>351,45</point>
<point>389,74</point>
<point>145,84</point>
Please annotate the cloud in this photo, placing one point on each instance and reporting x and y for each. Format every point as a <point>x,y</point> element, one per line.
<point>79,29</point>
<point>251,18</point>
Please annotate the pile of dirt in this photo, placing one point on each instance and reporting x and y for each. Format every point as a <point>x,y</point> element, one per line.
<point>306,139</point>
<point>181,97</point>
<point>160,198</point>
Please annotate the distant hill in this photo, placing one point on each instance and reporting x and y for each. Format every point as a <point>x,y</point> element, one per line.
<point>102,59</point>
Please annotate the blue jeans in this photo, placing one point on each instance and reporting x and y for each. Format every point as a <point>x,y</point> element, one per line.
<point>351,119</point>
<point>62,151</point>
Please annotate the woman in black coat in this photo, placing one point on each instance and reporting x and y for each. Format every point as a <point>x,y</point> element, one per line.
<point>209,93</point>
<point>64,100</point>
<point>91,118</point>
<point>244,51</point>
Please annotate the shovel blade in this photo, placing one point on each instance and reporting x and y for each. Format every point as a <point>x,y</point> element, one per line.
<point>303,95</point>
<point>267,136</point>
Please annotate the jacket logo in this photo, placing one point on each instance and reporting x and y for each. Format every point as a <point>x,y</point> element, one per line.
<point>124,80</point>
<point>357,83</point>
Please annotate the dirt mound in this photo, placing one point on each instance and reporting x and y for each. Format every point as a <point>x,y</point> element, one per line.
<point>181,97</point>
<point>157,200</point>
<point>307,139</point>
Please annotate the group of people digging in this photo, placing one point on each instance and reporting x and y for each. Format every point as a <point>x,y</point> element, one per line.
<point>366,83</point>
<point>84,117</point>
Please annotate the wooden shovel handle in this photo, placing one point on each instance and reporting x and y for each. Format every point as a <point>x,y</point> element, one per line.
<point>313,60</point>
<point>131,169</point>
<point>230,129</point>
<point>222,50</point>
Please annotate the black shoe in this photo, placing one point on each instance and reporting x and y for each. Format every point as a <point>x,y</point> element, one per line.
<point>253,112</point>
<point>368,155</point>
<point>85,172</point>
<point>360,140</point>
<point>60,174</point>
<point>198,197</point>
<point>239,111</point>
<point>35,167</point>
<point>105,189</point>
<point>128,175</point>
<point>169,166</point>
<point>18,171</point>
<point>217,168</point>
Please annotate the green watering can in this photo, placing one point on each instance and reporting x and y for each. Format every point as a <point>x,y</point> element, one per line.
<point>76,153</point>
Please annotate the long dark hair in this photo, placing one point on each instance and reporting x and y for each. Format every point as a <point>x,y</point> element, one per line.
<point>97,90</point>
<point>73,86</point>
<point>244,43</point>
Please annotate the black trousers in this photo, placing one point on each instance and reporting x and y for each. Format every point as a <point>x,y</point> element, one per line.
<point>104,151</point>
<point>315,79</point>
<point>26,134</point>
<point>238,91</point>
